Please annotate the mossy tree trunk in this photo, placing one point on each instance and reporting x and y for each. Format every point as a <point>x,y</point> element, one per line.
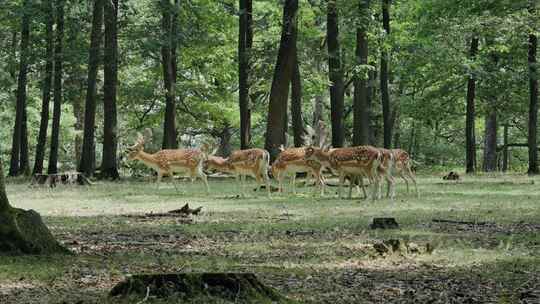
<point>21,231</point>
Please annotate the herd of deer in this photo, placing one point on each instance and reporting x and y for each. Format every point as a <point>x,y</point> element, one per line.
<point>352,163</point>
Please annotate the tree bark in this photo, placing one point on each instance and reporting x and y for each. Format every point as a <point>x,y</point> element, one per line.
<point>169,76</point>
<point>23,232</point>
<point>245,41</point>
<point>361,119</point>
<point>385,95</point>
<point>57,95</point>
<point>24,167</point>
<point>225,148</point>
<point>470,155</point>
<point>505,149</point>
<point>109,165</point>
<point>296,105</point>
<point>46,89</point>
<point>20,111</point>
<point>88,158</point>
<point>533,102</point>
<point>283,71</point>
<point>335,75</point>
<point>490,143</point>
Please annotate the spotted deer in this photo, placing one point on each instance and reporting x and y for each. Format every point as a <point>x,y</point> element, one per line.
<point>354,162</point>
<point>291,161</point>
<point>219,164</point>
<point>403,168</point>
<point>170,161</point>
<point>251,162</point>
<point>385,170</point>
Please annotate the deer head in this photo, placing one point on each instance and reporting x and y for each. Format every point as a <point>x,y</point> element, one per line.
<point>134,150</point>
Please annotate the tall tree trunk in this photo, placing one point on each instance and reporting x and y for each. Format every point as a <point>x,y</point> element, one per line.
<point>296,105</point>
<point>88,158</point>
<point>245,41</point>
<point>505,148</point>
<point>533,103</point>
<point>58,74</point>
<point>225,148</point>
<point>335,75</point>
<point>20,111</point>
<point>46,89</point>
<point>169,75</point>
<point>283,71</point>
<point>490,143</point>
<point>470,155</point>
<point>372,84</point>
<point>385,95</point>
<point>24,167</point>
<point>109,165</point>
<point>361,119</point>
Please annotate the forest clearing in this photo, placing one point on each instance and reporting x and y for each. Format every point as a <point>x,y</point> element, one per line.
<point>311,249</point>
<point>263,151</point>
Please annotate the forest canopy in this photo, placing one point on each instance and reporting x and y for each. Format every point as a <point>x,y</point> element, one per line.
<point>427,46</point>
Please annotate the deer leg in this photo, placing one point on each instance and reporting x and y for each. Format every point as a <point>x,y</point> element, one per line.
<point>204,178</point>
<point>391,187</point>
<point>159,176</point>
<point>263,176</point>
<point>279,178</point>
<point>173,182</point>
<point>413,179</point>
<point>362,186</point>
<point>293,182</point>
<point>352,179</point>
<point>341,181</point>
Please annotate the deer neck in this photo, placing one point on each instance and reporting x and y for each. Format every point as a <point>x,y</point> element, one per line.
<point>148,159</point>
<point>324,156</point>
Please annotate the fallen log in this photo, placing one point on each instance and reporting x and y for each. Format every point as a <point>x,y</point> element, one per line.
<point>186,210</point>
<point>459,222</point>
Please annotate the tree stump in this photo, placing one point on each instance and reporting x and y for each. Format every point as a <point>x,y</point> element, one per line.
<point>384,223</point>
<point>226,286</point>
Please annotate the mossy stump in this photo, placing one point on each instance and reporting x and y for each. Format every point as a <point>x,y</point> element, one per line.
<point>384,223</point>
<point>23,232</point>
<point>243,287</point>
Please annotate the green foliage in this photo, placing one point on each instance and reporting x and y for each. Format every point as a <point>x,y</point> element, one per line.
<point>428,44</point>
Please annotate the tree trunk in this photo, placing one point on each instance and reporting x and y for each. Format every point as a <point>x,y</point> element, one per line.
<point>46,89</point>
<point>23,232</point>
<point>58,61</point>
<point>505,149</point>
<point>283,71</point>
<point>335,75</point>
<point>385,95</point>
<point>490,144</point>
<point>24,167</point>
<point>296,105</point>
<point>533,103</point>
<point>109,165</point>
<point>225,148</point>
<point>20,111</point>
<point>88,158</point>
<point>245,41</point>
<point>361,119</point>
<point>470,155</point>
<point>169,75</point>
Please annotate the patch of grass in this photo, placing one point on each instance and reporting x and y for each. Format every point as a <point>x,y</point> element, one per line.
<point>313,249</point>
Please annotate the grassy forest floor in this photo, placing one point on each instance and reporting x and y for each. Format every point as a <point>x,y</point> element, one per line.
<point>314,250</point>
